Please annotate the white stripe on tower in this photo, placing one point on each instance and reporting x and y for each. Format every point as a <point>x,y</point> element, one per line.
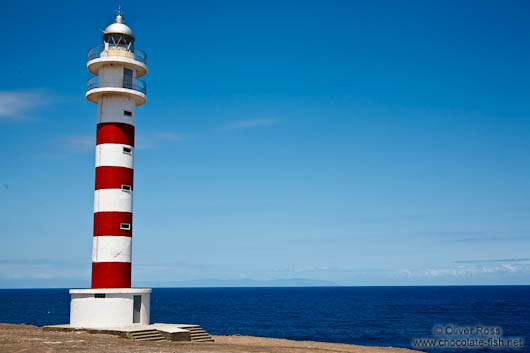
<point>112,249</point>
<point>114,155</point>
<point>112,200</point>
<point>114,109</point>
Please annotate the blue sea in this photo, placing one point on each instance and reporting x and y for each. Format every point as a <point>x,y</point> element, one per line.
<point>373,316</point>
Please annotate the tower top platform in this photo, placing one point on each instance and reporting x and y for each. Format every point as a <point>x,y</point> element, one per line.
<point>117,65</point>
<point>117,48</point>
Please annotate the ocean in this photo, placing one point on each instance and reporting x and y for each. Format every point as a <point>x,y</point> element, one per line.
<point>372,316</point>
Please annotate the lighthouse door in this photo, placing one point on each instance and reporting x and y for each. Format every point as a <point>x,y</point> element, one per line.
<point>137,306</point>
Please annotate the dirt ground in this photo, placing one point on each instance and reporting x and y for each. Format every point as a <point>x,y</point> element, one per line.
<point>27,338</point>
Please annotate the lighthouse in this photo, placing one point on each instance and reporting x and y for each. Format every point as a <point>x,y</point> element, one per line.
<point>111,305</point>
<point>117,66</point>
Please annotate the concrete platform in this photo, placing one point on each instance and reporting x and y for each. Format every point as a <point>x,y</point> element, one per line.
<point>152,332</point>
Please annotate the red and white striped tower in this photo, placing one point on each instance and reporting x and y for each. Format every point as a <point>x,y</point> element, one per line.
<point>117,90</point>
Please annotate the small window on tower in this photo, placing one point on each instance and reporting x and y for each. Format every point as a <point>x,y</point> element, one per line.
<point>127,150</point>
<point>126,187</point>
<point>125,226</point>
<point>99,295</point>
<point>127,113</point>
<point>127,78</point>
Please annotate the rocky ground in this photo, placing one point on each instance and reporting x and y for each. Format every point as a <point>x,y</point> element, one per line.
<point>27,338</point>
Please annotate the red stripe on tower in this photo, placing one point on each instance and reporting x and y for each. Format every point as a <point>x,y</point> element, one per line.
<point>115,133</point>
<point>111,275</point>
<point>110,223</point>
<point>114,177</point>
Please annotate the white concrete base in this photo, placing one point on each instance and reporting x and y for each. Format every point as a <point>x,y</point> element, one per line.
<point>109,307</point>
<point>169,328</point>
<point>170,332</point>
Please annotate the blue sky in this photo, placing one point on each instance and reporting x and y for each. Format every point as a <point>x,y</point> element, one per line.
<point>363,143</point>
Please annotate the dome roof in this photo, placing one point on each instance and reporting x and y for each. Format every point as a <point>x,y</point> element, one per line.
<point>119,27</point>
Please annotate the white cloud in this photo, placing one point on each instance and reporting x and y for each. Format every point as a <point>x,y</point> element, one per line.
<point>86,143</point>
<point>152,139</point>
<point>81,143</point>
<point>311,269</point>
<point>17,104</point>
<point>241,124</point>
<point>40,268</point>
<point>471,268</point>
<point>518,260</point>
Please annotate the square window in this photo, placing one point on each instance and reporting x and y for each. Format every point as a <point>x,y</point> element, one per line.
<point>99,295</point>
<point>127,150</point>
<point>126,187</point>
<point>125,226</point>
<point>127,113</point>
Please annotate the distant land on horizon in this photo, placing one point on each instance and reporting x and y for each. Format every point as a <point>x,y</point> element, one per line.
<point>291,282</point>
<point>75,283</point>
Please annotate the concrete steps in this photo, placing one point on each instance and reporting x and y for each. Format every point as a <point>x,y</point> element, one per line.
<point>147,335</point>
<point>197,334</point>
